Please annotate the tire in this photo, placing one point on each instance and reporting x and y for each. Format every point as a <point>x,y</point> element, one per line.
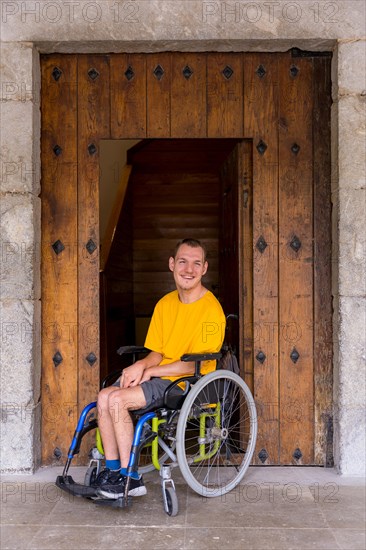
<point>90,476</point>
<point>145,461</point>
<point>216,433</point>
<point>172,501</point>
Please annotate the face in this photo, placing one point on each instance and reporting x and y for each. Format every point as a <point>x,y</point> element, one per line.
<point>188,267</point>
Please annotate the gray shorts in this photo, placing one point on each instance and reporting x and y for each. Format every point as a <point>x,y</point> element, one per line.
<point>154,391</point>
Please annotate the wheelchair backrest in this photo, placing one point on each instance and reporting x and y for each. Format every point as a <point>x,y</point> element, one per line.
<point>228,361</point>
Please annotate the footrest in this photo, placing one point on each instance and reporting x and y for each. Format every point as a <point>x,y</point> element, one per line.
<point>115,503</point>
<point>77,489</point>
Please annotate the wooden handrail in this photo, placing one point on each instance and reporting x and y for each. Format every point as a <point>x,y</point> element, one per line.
<point>114,217</point>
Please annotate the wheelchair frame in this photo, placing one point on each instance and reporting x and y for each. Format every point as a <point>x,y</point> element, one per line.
<point>151,422</point>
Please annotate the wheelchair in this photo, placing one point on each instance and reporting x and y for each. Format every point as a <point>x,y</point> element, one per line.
<point>208,430</point>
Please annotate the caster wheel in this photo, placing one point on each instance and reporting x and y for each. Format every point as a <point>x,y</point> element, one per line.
<point>90,476</point>
<point>172,501</point>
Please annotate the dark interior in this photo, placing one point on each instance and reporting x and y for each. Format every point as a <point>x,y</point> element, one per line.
<point>174,192</point>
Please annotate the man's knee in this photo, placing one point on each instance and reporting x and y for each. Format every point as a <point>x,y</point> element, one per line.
<point>127,399</point>
<point>119,398</point>
<point>103,398</point>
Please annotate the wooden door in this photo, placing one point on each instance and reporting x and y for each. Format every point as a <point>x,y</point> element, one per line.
<point>281,103</point>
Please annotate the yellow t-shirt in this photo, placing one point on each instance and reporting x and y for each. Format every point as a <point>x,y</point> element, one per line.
<point>177,328</point>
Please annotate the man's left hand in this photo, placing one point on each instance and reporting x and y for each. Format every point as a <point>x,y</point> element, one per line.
<point>146,376</point>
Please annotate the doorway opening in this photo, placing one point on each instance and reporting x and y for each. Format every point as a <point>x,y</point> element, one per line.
<point>154,193</point>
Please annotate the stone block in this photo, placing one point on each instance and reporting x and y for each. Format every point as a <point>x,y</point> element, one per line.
<point>169,20</point>
<point>350,440</point>
<point>19,147</point>
<point>349,385</point>
<point>352,351</point>
<point>20,352</point>
<point>17,74</point>
<point>351,68</point>
<point>20,385</point>
<point>20,247</point>
<point>17,435</point>
<point>352,242</point>
<point>351,142</point>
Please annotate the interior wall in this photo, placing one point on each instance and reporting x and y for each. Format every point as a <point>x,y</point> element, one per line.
<point>113,157</point>
<point>176,195</point>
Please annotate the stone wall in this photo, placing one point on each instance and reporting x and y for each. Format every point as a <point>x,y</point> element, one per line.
<point>30,27</point>
<point>20,289</point>
<point>349,281</point>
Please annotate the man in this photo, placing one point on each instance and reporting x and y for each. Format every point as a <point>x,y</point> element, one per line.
<point>187,320</point>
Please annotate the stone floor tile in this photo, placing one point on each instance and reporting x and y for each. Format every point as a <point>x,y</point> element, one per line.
<point>111,538</point>
<point>315,474</point>
<point>350,539</point>
<point>26,502</point>
<point>146,510</point>
<point>259,539</point>
<point>343,507</point>
<point>17,537</point>
<point>257,505</point>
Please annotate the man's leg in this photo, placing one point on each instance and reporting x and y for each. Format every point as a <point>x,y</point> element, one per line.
<point>121,401</point>
<point>117,432</point>
<point>106,424</point>
<point>114,421</point>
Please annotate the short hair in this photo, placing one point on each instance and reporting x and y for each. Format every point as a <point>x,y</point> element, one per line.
<point>194,243</point>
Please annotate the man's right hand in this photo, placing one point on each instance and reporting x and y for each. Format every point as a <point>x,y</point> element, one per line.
<point>131,376</point>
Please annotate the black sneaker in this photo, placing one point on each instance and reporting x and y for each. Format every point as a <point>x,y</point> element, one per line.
<point>106,476</point>
<point>116,488</point>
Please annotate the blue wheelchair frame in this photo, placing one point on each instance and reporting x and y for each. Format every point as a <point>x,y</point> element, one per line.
<point>87,422</point>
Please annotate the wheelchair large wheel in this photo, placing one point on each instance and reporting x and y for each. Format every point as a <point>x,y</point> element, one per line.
<point>216,433</point>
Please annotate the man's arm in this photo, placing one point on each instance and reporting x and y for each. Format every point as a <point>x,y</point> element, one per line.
<point>178,368</point>
<point>132,375</point>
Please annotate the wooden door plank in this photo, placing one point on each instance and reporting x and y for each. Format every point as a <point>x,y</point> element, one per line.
<point>246,357</point>
<point>235,277</point>
<point>59,271</point>
<point>260,122</point>
<point>225,95</point>
<point>93,125</point>
<point>323,371</point>
<point>188,95</point>
<point>229,242</point>
<point>296,268</point>
<point>158,82</point>
<point>128,96</point>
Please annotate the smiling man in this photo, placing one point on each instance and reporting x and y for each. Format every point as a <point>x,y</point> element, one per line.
<point>188,320</point>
